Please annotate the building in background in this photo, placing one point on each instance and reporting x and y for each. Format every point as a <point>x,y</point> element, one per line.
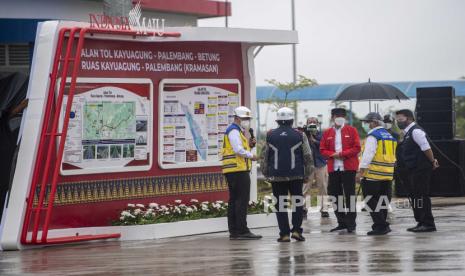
<point>18,20</point>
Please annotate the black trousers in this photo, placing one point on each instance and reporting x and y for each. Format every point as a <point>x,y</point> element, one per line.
<point>341,185</point>
<point>378,194</point>
<point>282,189</point>
<point>418,187</point>
<point>3,192</point>
<point>239,195</point>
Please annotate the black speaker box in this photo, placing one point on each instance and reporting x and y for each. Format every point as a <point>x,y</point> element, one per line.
<point>447,180</point>
<point>439,104</point>
<point>435,111</point>
<point>435,117</point>
<point>439,131</point>
<point>445,92</point>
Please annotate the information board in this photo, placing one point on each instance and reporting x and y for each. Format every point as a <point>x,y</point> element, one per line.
<point>109,127</point>
<point>194,115</point>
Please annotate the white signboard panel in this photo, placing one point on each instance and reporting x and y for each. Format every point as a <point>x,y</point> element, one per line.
<point>110,126</point>
<point>194,115</point>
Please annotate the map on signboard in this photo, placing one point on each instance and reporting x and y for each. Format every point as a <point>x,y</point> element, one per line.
<point>109,127</point>
<point>108,120</point>
<point>194,116</point>
<point>200,142</point>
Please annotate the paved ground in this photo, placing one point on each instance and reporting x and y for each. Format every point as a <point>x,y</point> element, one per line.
<point>401,252</point>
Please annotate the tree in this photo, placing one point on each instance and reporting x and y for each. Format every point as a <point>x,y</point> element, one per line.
<point>289,87</point>
<point>460,116</point>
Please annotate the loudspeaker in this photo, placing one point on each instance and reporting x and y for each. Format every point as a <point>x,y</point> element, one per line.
<point>443,92</point>
<point>434,117</point>
<point>435,111</point>
<point>438,104</point>
<point>447,180</point>
<point>439,131</point>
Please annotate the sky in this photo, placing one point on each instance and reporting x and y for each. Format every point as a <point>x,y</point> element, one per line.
<point>353,40</point>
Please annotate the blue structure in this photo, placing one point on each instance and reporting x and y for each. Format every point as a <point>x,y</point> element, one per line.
<point>327,92</point>
<point>18,30</point>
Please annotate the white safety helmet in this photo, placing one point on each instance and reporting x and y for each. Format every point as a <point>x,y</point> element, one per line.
<point>285,114</point>
<point>243,112</point>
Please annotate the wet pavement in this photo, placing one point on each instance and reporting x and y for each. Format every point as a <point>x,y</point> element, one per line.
<point>324,253</point>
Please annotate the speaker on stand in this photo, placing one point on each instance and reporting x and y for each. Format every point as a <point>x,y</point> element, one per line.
<point>448,179</point>
<point>435,111</point>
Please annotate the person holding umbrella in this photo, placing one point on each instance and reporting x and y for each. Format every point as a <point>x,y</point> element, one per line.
<point>341,146</point>
<point>377,170</point>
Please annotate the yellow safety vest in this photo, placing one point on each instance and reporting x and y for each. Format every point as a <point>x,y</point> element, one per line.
<point>382,165</point>
<point>231,161</point>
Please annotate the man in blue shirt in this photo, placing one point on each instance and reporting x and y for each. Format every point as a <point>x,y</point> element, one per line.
<point>320,174</point>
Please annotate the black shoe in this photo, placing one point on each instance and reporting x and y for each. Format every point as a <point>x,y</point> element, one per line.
<point>379,232</point>
<point>297,236</point>
<point>339,227</point>
<point>284,239</point>
<point>248,236</point>
<point>411,229</point>
<point>350,229</point>
<point>324,214</point>
<point>233,237</point>
<point>424,228</point>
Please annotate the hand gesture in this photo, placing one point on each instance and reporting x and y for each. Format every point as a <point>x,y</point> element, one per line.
<point>336,155</point>
<point>252,142</point>
<point>358,177</point>
<point>435,164</point>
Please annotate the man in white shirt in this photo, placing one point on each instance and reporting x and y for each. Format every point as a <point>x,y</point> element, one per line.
<point>340,145</point>
<point>377,171</point>
<point>237,162</point>
<point>416,158</point>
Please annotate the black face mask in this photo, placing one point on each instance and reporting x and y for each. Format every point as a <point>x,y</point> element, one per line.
<point>402,125</point>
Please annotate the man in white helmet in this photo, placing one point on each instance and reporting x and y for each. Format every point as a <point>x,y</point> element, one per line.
<point>237,162</point>
<point>287,161</point>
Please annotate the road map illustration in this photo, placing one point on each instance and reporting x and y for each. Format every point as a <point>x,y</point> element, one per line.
<point>200,141</point>
<point>108,120</point>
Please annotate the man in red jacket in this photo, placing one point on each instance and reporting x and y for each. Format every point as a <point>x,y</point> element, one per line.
<point>340,144</point>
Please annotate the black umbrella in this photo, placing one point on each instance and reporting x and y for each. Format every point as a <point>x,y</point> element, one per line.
<point>370,91</point>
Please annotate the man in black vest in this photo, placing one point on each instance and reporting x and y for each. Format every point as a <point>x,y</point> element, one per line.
<point>416,158</point>
<point>287,161</point>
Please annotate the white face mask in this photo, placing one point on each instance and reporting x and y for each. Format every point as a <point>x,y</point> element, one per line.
<point>339,121</point>
<point>245,124</point>
<point>366,127</point>
<point>388,125</point>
